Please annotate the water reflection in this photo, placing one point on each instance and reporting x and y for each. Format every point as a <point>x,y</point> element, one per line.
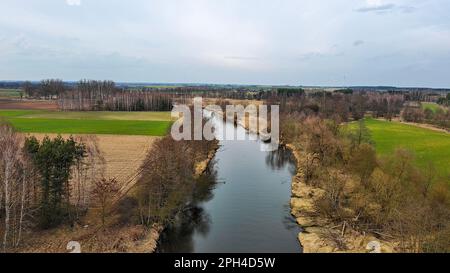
<point>278,159</point>
<point>178,236</point>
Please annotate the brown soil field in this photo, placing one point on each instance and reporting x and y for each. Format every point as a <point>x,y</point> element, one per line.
<point>124,156</point>
<point>28,104</point>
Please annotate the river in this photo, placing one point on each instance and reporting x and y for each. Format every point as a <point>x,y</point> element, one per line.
<point>241,204</point>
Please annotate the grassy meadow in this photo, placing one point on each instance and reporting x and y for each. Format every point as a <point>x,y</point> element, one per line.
<point>427,145</point>
<point>432,106</point>
<point>115,123</point>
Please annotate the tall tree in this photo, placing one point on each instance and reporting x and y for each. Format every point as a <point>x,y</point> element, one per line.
<point>54,159</point>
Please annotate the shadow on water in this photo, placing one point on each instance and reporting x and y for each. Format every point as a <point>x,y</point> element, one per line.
<point>178,236</point>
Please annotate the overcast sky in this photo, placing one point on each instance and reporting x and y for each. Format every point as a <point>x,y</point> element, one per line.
<point>301,42</point>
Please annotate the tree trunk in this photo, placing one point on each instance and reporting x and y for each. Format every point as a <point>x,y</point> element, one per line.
<point>7,205</point>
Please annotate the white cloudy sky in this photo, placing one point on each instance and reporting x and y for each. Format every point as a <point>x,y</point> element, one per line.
<point>309,42</point>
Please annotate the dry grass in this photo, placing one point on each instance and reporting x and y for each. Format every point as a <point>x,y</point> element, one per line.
<point>93,239</point>
<point>123,156</point>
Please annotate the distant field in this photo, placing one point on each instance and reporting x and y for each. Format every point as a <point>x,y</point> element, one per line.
<point>427,145</point>
<point>432,106</point>
<point>149,116</point>
<point>117,123</point>
<point>10,93</point>
<point>161,86</point>
<point>15,103</point>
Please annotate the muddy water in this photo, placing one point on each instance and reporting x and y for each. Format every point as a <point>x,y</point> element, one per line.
<point>241,204</point>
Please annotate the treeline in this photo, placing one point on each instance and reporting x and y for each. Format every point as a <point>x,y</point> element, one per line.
<point>104,96</point>
<point>362,193</point>
<point>89,95</point>
<point>46,89</point>
<point>445,101</point>
<point>342,105</point>
<point>36,191</point>
<point>439,117</point>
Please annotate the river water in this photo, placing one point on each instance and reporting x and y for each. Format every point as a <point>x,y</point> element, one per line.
<point>241,204</point>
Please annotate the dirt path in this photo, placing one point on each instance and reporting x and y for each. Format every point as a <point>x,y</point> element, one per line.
<point>421,125</point>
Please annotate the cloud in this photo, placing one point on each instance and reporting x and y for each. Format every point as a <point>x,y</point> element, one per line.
<point>376,8</point>
<point>242,58</point>
<point>407,9</point>
<point>379,6</point>
<point>221,41</point>
<point>358,42</point>
<point>73,2</point>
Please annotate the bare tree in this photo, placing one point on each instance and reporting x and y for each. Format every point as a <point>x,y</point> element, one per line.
<point>14,185</point>
<point>88,170</point>
<point>104,191</point>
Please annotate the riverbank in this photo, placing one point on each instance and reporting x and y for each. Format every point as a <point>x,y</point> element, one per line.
<point>202,166</point>
<point>251,122</point>
<point>200,169</point>
<point>319,234</point>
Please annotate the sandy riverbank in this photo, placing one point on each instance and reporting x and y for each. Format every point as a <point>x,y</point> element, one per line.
<point>315,237</point>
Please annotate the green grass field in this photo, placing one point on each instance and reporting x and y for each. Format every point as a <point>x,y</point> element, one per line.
<point>432,106</point>
<point>117,123</point>
<point>145,116</point>
<point>427,145</point>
